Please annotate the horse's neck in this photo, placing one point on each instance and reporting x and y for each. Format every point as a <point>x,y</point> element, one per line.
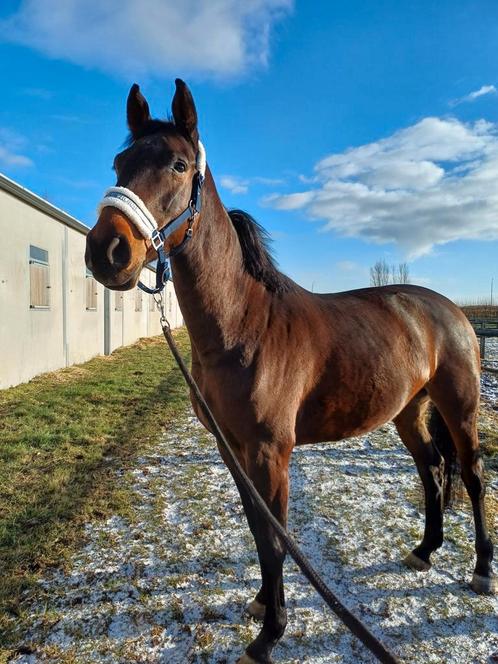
<point>212,286</point>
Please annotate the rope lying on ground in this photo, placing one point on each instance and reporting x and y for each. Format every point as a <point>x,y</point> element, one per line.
<point>350,620</point>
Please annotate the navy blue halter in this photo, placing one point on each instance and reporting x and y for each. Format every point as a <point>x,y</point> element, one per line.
<point>158,237</point>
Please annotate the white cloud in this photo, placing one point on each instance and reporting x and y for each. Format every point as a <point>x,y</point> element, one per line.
<point>348,266</point>
<point>426,185</point>
<point>11,145</point>
<point>234,184</point>
<point>238,185</point>
<point>273,182</point>
<point>289,201</point>
<point>483,90</point>
<point>133,37</point>
<point>9,158</point>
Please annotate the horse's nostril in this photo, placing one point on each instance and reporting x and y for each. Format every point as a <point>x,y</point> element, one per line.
<point>110,249</point>
<point>118,252</point>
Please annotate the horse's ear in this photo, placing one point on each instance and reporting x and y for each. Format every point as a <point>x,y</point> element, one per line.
<point>184,112</point>
<point>137,110</point>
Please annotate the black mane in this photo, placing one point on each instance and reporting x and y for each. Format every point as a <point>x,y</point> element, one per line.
<point>258,260</point>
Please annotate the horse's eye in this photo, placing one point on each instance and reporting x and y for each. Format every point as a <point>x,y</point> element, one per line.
<point>180,166</point>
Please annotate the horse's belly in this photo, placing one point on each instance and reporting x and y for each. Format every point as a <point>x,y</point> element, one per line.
<point>343,415</point>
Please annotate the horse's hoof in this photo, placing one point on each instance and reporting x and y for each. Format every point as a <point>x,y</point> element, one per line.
<point>417,563</point>
<point>484,585</point>
<point>245,659</point>
<point>256,609</point>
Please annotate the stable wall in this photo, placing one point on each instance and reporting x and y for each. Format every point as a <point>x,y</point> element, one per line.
<point>85,328</point>
<point>36,340</point>
<point>31,340</point>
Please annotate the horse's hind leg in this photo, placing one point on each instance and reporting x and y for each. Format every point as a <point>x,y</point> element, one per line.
<point>412,428</point>
<point>462,423</point>
<point>459,409</point>
<point>483,580</point>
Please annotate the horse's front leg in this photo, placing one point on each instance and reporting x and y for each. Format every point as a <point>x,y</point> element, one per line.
<point>257,607</point>
<point>267,467</point>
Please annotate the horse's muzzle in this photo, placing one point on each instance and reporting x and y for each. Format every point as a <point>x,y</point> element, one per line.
<point>109,260</point>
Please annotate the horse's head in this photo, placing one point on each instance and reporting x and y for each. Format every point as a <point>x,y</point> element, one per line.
<point>158,167</point>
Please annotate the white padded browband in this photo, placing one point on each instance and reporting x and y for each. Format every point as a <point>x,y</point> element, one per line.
<point>134,208</point>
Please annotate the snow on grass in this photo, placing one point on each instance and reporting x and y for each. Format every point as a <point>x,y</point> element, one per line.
<point>489,382</point>
<point>170,585</point>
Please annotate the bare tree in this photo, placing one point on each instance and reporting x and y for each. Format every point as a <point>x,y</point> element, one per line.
<point>403,276</point>
<point>379,274</point>
<point>382,274</point>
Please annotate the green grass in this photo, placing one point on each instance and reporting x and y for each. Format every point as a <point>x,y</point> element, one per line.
<point>62,437</point>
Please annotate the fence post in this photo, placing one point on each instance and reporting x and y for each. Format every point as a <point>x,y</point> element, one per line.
<point>107,321</point>
<point>482,346</point>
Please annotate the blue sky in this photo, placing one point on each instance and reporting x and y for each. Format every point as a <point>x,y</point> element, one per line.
<point>352,131</point>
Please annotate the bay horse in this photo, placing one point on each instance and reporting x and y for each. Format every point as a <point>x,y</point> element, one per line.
<point>280,366</point>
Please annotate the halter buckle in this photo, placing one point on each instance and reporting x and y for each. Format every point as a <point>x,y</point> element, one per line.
<point>156,239</point>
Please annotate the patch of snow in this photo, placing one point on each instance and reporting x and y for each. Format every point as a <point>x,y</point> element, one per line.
<point>489,381</point>
<point>170,585</point>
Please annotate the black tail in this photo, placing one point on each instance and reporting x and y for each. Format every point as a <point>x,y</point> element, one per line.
<point>442,440</point>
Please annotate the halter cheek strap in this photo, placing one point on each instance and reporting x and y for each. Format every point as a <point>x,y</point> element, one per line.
<point>138,213</point>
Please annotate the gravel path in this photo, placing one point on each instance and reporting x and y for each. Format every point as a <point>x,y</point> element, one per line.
<point>170,585</point>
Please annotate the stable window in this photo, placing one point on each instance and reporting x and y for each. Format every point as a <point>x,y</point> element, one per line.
<point>39,278</point>
<point>118,301</point>
<point>91,291</point>
<point>138,299</point>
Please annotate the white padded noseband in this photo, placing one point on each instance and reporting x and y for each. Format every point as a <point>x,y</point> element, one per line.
<point>132,206</point>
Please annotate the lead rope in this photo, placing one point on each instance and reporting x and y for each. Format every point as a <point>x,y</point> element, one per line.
<point>344,614</point>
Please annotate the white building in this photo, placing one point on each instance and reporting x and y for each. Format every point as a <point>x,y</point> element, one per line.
<point>52,311</point>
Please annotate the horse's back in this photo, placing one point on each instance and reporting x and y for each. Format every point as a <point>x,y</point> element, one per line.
<point>411,312</point>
